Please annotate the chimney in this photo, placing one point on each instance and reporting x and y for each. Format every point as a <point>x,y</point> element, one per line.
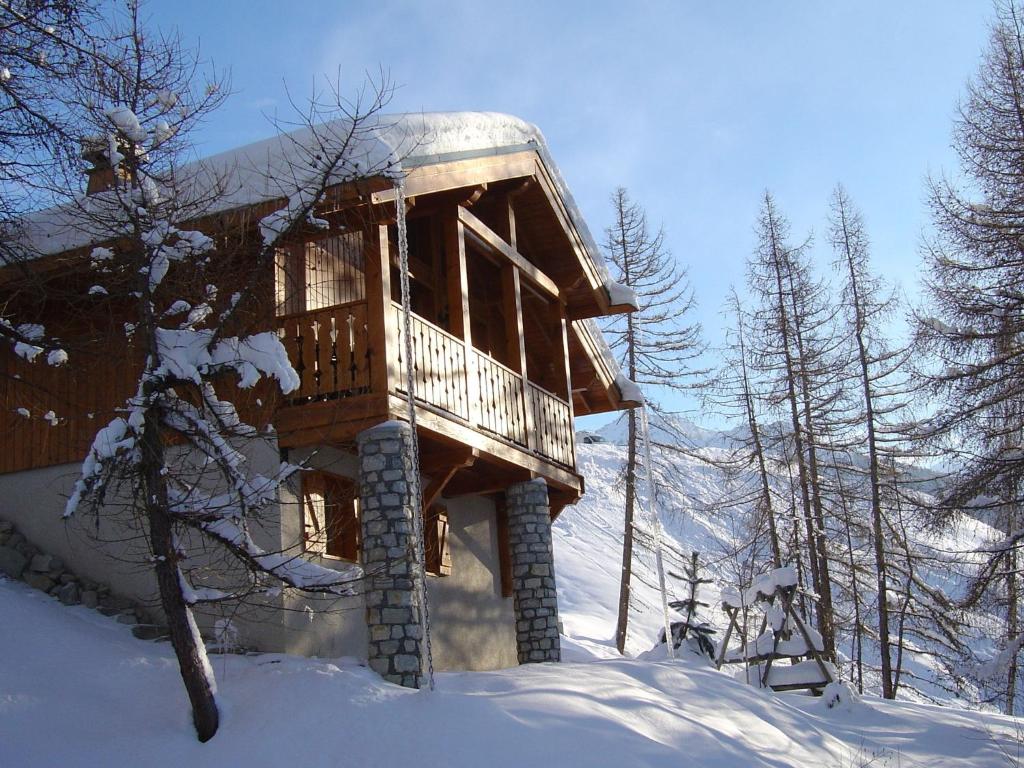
<point>102,175</point>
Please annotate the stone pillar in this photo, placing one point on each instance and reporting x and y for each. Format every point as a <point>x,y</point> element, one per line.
<point>389,553</point>
<point>533,572</point>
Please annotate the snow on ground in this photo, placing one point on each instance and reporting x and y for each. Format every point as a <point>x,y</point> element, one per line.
<point>76,689</point>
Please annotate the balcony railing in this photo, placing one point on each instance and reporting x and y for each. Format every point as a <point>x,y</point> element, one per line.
<point>439,365</point>
<point>328,349</point>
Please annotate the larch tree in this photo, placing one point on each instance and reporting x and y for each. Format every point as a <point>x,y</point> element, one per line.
<point>793,351</point>
<point>971,329</point>
<point>176,465</point>
<point>656,345</point>
<point>43,44</point>
<point>866,305</point>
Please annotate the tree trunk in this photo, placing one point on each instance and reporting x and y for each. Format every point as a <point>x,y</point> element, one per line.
<point>1012,628</point>
<point>192,661</point>
<point>627,538</point>
<point>885,650</point>
<point>625,583</point>
<point>748,403</point>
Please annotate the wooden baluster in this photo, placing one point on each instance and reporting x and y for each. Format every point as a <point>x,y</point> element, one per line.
<point>333,333</point>
<point>317,369</point>
<point>300,363</point>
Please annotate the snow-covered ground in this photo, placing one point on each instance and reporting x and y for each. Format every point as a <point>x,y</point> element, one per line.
<point>76,689</point>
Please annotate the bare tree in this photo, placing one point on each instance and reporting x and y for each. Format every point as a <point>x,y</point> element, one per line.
<point>192,291</point>
<point>794,349</point>
<point>655,345</point>
<point>971,330</point>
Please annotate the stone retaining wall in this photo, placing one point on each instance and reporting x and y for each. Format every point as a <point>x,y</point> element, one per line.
<point>21,559</point>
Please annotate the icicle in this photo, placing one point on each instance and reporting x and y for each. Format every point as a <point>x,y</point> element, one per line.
<point>410,389</point>
<point>653,509</point>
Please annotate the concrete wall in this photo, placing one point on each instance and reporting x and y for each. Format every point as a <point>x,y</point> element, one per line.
<point>472,625</point>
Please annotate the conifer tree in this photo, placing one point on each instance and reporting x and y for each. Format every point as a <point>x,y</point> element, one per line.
<point>972,328</point>
<point>793,350</point>
<point>656,345</point>
<point>692,628</point>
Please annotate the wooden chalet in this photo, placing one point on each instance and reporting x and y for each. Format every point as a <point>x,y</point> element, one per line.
<point>505,280</point>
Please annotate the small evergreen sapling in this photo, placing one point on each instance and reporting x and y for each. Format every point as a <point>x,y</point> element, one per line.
<point>692,628</point>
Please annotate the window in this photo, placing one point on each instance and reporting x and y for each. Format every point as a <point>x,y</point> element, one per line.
<point>319,274</point>
<point>330,507</point>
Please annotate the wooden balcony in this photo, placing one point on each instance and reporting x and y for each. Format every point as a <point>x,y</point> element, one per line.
<point>331,351</point>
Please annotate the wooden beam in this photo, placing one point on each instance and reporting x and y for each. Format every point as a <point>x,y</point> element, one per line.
<point>434,460</point>
<point>473,195</point>
<point>331,422</point>
<point>480,483</point>
<point>512,238</point>
<point>491,450</point>
<point>513,302</point>
<point>441,177</point>
<point>493,242</point>
<point>383,337</point>
<point>458,304</point>
<point>564,327</point>
<point>437,485</point>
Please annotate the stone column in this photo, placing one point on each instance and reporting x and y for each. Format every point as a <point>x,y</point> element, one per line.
<point>533,572</point>
<point>389,553</point>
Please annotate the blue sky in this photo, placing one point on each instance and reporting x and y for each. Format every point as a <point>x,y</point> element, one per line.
<point>695,107</point>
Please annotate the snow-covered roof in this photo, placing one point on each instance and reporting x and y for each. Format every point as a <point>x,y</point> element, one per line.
<point>271,169</point>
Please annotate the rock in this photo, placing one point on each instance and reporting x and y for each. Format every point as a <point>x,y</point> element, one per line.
<point>69,594</point>
<point>128,617</point>
<point>150,631</point>
<point>39,581</point>
<point>12,562</point>
<point>106,610</point>
<point>68,578</point>
<point>44,563</point>
<point>15,540</point>
<point>6,526</point>
<point>90,599</point>
<point>27,550</point>
<point>114,601</point>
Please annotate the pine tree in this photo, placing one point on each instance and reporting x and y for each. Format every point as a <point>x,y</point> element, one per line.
<point>655,345</point>
<point>692,628</point>
<point>877,373</point>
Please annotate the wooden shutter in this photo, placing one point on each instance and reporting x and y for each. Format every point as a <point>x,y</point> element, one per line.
<point>435,539</point>
<point>331,515</point>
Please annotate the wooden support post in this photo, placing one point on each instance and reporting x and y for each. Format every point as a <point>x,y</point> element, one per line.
<point>382,334</point>
<point>512,299</point>
<point>458,305</point>
<point>564,323</point>
<point>511,222</point>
